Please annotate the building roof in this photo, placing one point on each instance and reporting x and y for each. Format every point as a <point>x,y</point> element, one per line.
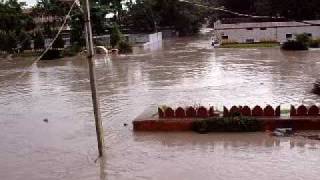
<point>266,25</point>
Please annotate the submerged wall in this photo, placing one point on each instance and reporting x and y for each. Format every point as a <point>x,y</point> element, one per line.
<point>181,119</point>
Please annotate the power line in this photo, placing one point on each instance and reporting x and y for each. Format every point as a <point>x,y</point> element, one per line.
<point>58,33</point>
<point>54,39</point>
<point>228,11</point>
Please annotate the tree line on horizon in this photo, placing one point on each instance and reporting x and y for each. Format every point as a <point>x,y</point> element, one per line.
<point>140,16</point>
<point>289,9</point>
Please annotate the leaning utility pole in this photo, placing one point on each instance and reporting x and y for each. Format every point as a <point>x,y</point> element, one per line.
<point>95,99</point>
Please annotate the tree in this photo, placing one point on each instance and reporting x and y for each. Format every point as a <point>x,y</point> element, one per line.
<point>115,36</point>
<point>149,15</point>
<point>77,28</point>
<point>38,40</point>
<point>13,25</point>
<point>52,14</point>
<point>291,9</point>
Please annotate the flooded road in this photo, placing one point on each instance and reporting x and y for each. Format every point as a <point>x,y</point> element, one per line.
<point>183,72</point>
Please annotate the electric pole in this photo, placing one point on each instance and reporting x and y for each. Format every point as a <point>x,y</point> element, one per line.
<point>92,74</point>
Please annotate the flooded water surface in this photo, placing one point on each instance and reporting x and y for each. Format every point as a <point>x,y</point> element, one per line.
<point>183,72</point>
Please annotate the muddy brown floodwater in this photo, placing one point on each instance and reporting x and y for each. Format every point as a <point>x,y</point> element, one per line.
<point>182,72</point>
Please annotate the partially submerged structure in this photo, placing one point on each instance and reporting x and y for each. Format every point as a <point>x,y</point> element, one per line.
<point>268,118</point>
<point>255,32</point>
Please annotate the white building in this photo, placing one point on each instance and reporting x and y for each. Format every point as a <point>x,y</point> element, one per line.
<point>266,31</point>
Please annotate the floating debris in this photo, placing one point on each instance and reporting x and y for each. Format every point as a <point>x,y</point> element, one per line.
<point>283,132</point>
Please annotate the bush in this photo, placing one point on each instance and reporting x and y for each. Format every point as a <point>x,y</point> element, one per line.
<point>72,50</point>
<point>314,43</point>
<point>301,42</point>
<point>229,124</point>
<point>294,45</point>
<point>303,39</point>
<point>24,40</point>
<point>115,37</point>
<point>125,47</point>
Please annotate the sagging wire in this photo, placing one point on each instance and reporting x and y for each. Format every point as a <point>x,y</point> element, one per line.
<point>53,40</point>
<point>228,11</point>
<point>58,33</point>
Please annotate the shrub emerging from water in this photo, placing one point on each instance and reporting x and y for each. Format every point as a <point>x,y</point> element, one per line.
<point>314,43</point>
<point>294,46</point>
<point>116,36</point>
<point>72,50</point>
<point>124,47</point>
<point>227,124</point>
<point>301,42</point>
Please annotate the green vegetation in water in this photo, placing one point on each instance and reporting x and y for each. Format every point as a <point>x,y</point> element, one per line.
<point>314,43</point>
<point>227,124</point>
<point>117,41</point>
<point>71,51</point>
<point>250,45</point>
<point>125,47</point>
<point>301,42</point>
<point>116,36</point>
<point>293,45</point>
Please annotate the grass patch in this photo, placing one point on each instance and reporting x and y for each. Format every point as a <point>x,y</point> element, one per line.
<point>250,45</point>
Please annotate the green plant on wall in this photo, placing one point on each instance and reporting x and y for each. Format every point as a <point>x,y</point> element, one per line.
<point>227,124</point>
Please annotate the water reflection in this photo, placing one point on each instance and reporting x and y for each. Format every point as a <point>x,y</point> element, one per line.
<point>225,140</point>
<point>102,163</point>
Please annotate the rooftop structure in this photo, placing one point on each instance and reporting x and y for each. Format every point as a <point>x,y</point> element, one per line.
<point>266,31</point>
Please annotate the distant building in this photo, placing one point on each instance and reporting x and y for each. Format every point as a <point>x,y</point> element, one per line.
<point>265,31</point>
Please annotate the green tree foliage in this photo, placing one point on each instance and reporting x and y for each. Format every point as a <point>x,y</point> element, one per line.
<point>52,15</point>
<point>38,40</point>
<point>24,40</point>
<point>291,9</point>
<point>303,38</point>
<point>99,23</point>
<point>301,42</point>
<point>77,28</point>
<point>8,41</point>
<point>13,25</point>
<point>116,36</point>
<point>149,15</point>
<point>11,16</point>
<point>125,47</point>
